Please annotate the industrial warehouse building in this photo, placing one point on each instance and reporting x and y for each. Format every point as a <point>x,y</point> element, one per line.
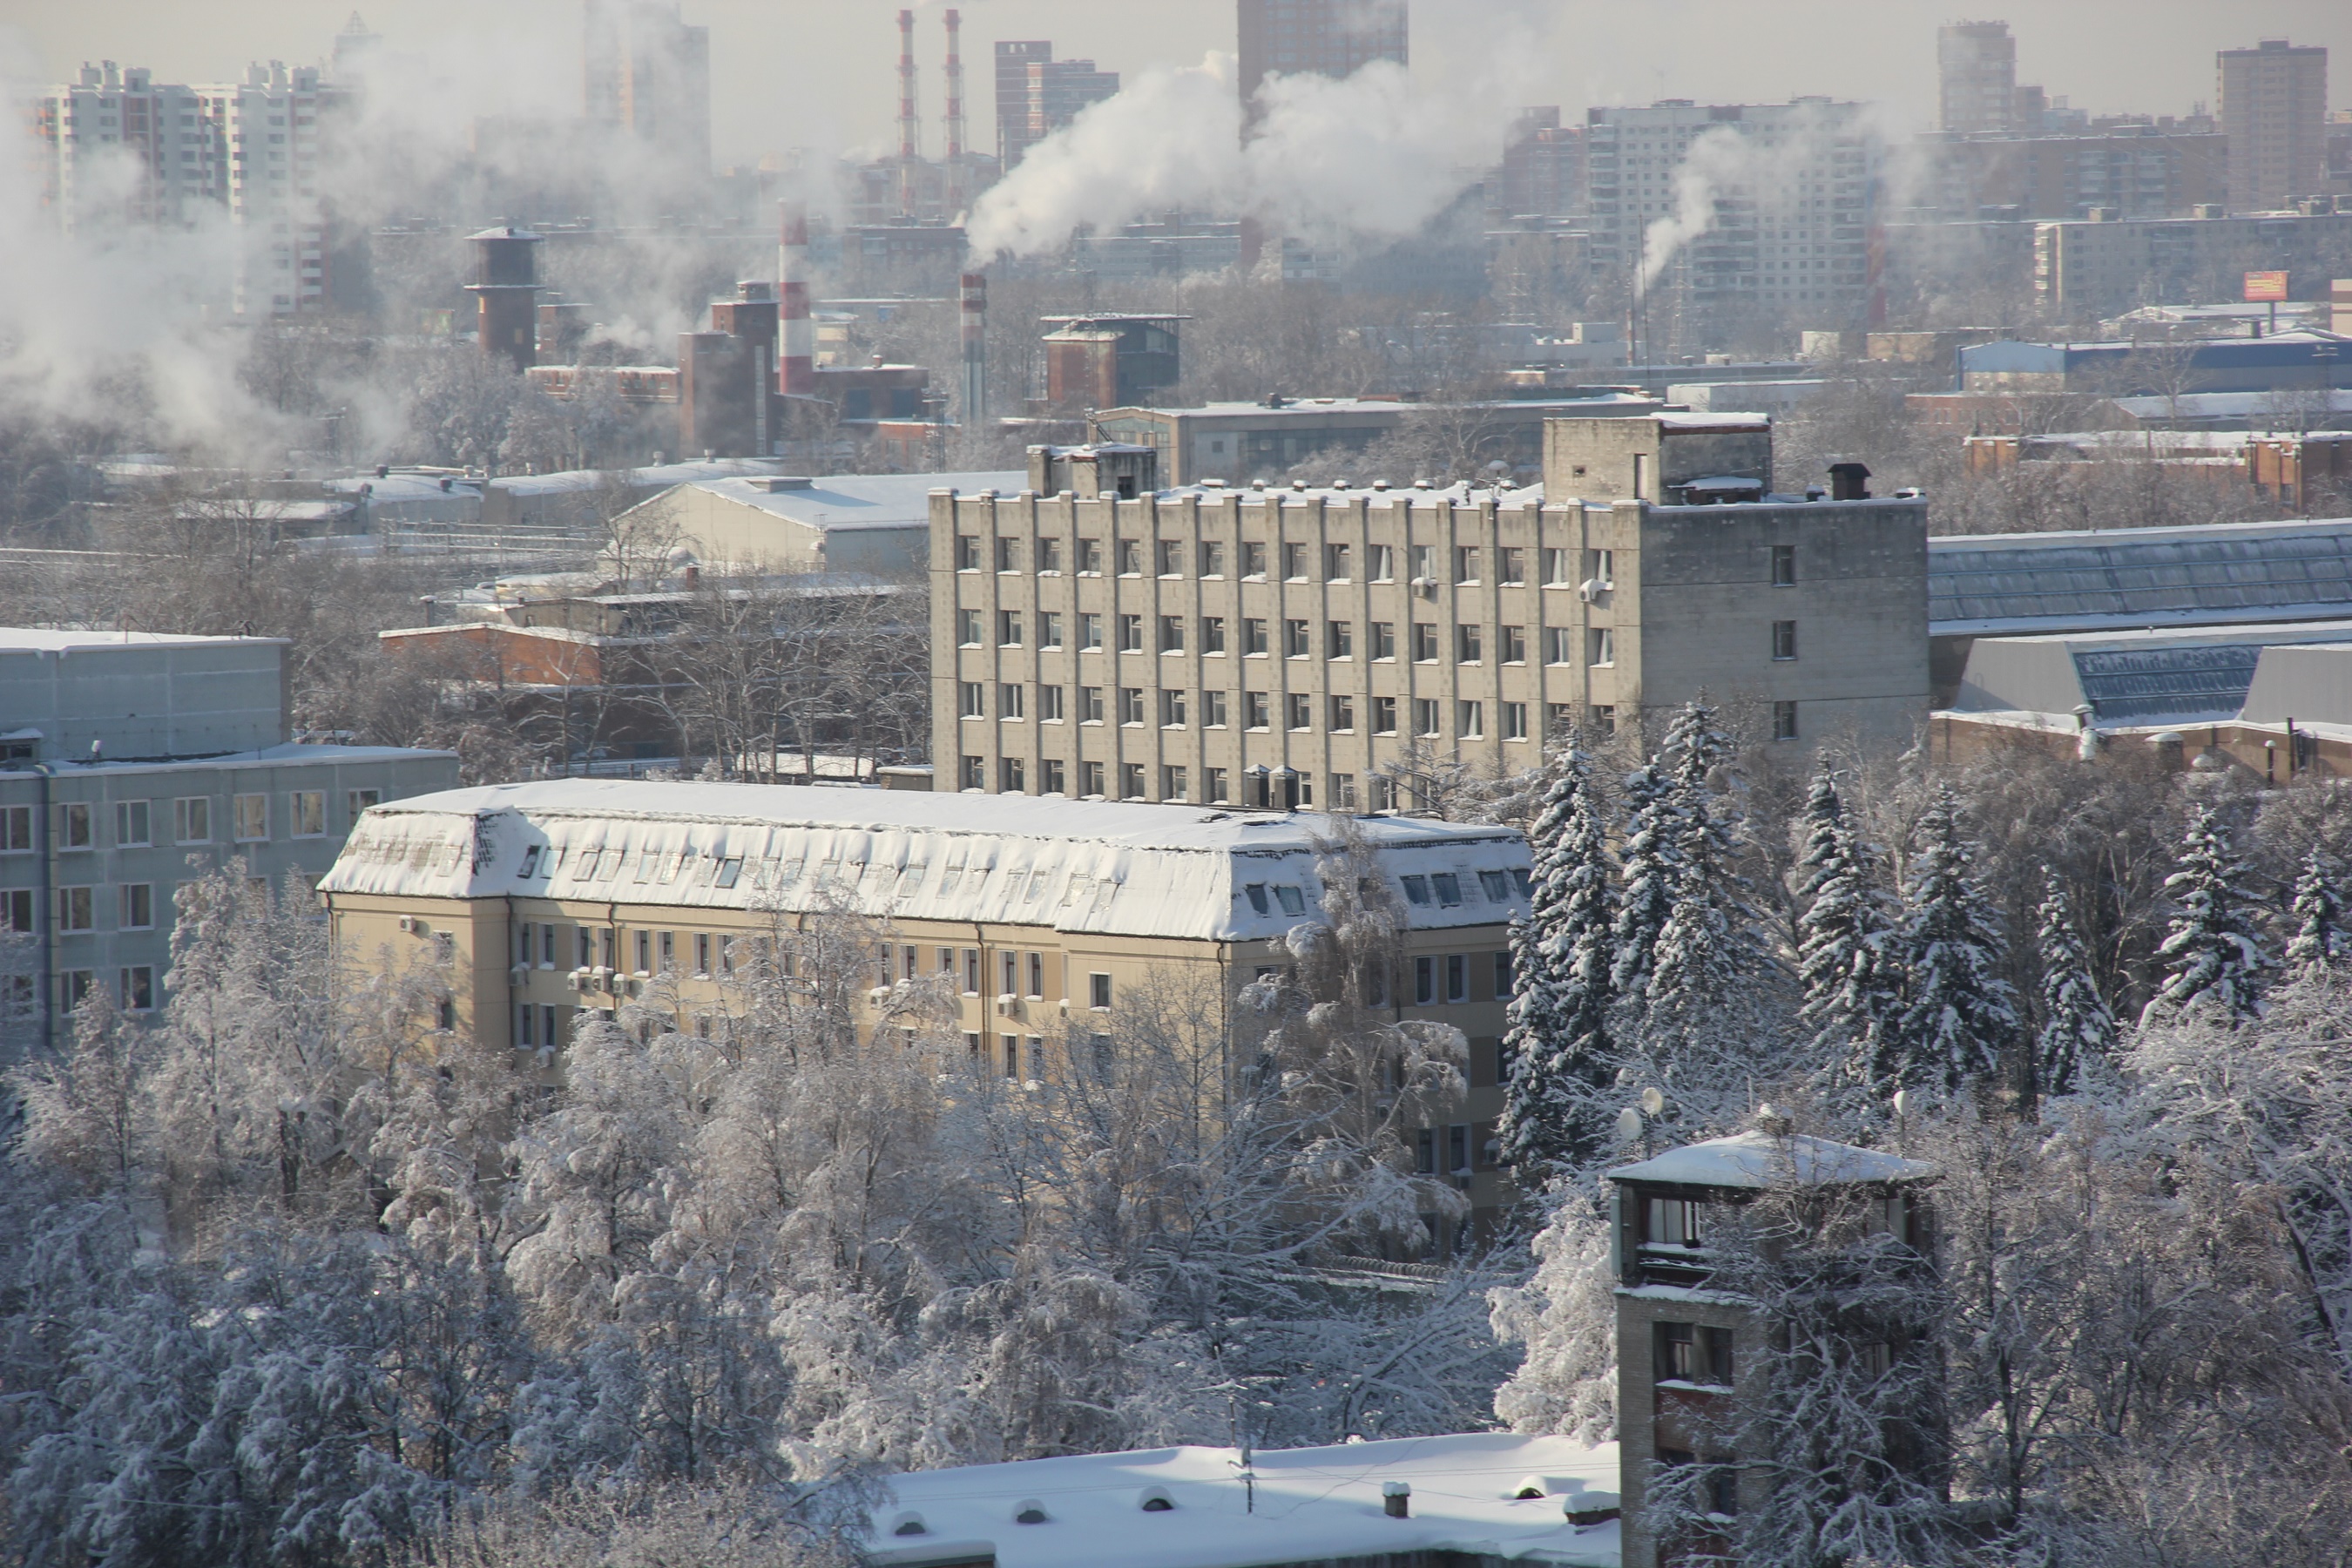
<point>546,899</point>
<point>1281,647</point>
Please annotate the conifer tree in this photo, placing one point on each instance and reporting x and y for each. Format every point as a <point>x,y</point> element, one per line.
<point>1707,943</point>
<point>1960,1016</point>
<point>1557,1042</point>
<point>2320,941</point>
<point>1650,871</point>
<point>2077,1026</point>
<point>2213,951</point>
<point>1853,990</point>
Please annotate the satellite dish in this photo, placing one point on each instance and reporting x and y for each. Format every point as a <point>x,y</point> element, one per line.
<point>1653,1101</point>
<point>1902,1102</point>
<point>1629,1125</point>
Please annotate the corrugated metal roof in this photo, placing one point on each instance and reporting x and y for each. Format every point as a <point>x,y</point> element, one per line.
<point>2139,686</point>
<point>2016,584</point>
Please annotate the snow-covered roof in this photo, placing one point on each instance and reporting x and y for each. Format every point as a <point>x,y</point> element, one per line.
<point>1727,421</point>
<point>1312,1505</point>
<point>284,754</point>
<point>41,639</point>
<point>1757,1159</point>
<point>1185,872</point>
<point>860,500</point>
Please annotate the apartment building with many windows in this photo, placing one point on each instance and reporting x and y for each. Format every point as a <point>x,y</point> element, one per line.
<point>631,899</point>
<point>1286,647</point>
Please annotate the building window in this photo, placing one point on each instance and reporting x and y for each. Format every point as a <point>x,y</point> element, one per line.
<point>1784,639</point>
<point>1425,717</point>
<point>1600,568</point>
<point>1784,567</point>
<point>1336,563</point>
<point>1339,640</point>
<point>1010,701</point>
<point>1382,639</point>
<point>1037,975</point>
<point>1090,557</point>
<point>1130,633</point>
<point>1343,714</point>
<point>967,552</point>
<point>1559,644</point>
<point>1602,718</point>
<point>1090,632</point>
<point>1343,792</point>
<point>1470,720</point>
<point>1213,558</point>
<point>1424,642</point>
<point>1049,704</point>
<point>360,800</point>
<point>1299,709</point>
<point>132,828</point>
<point>1468,644</point>
<point>1515,720</point>
<point>1254,636</point>
<point>1384,715</point>
<point>972,700</point>
<point>1213,710</point>
<point>1601,646</point>
<point>1295,642</point>
<point>1090,704</point>
<point>1049,628</point>
<point>1215,789</point>
<point>968,627</point>
<point>1131,558</point>
<point>1170,555</point>
<point>1171,708</point>
<point>1131,781</point>
<point>1515,645</point>
<point>1171,634</point>
<point>1448,886</point>
<point>75,830</point>
<point>74,987</point>
<point>1425,982</point>
<point>1514,564</point>
<point>1008,628</point>
<point>135,906</point>
<point>1054,777</point>
<point>1784,720</point>
<point>1091,779</point>
<point>1008,555</point>
<point>15,830</point>
<point>1383,563</point>
<point>1559,568</point>
<point>1098,993</point>
<point>77,909</point>
<point>669,953</point>
<point>1253,711</point>
<point>16,910</point>
<point>1013,776</point>
<point>1049,557</point>
<point>309,813</point>
<point>1457,977</point>
<point>1465,564</point>
<point>1212,634</point>
<point>1253,558</point>
<point>1130,705</point>
<point>1294,562</point>
<point>252,818</point>
<point>975,773</point>
<point>1502,979</point>
<point>137,989</point>
<point>1172,783</point>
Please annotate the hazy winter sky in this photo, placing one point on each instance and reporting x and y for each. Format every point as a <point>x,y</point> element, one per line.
<point>819,73</point>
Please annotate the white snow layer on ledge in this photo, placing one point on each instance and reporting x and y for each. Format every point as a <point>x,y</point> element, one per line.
<point>1757,1159</point>
<point>1185,872</point>
<point>1313,1505</point>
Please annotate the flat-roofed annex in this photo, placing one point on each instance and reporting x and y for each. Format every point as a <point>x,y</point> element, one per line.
<point>1075,866</point>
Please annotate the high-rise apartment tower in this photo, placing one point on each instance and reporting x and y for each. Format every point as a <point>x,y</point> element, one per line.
<point>1976,77</point>
<point>2274,113</point>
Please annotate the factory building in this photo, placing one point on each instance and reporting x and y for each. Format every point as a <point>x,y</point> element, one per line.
<point>127,761</point>
<point>1287,647</point>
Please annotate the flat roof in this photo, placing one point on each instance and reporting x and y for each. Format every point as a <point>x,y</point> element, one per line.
<point>1756,1159</point>
<point>859,500</point>
<point>39,639</point>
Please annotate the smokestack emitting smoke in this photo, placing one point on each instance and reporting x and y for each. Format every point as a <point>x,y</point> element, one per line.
<point>797,360</point>
<point>910,135</point>
<point>955,113</point>
<point>975,350</point>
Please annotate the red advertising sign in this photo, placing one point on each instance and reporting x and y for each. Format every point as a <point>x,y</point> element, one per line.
<point>2265,286</point>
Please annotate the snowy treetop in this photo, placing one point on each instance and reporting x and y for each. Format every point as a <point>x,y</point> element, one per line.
<point>1133,869</point>
<point>1312,1505</point>
<point>1757,1159</point>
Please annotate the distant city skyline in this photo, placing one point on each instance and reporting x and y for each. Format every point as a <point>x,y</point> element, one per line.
<point>818,73</point>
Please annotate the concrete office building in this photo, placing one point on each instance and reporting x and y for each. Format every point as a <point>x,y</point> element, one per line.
<point>1317,38</point>
<point>627,897</point>
<point>129,759</point>
<point>1282,647</point>
<point>2274,113</point>
<point>1976,77</point>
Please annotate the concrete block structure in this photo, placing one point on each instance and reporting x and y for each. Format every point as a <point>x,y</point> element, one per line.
<point>129,762</point>
<point>2273,108</point>
<point>1284,646</point>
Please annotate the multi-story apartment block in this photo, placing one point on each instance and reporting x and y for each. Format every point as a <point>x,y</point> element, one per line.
<point>1037,95</point>
<point>2274,113</point>
<point>1270,647</point>
<point>1791,212</point>
<point>1976,77</point>
<point>2101,267</point>
<point>2153,170</point>
<point>128,761</point>
<point>119,145</point>
<point>633,899</point>
<point>1317,38</point>
<point>648,79</point>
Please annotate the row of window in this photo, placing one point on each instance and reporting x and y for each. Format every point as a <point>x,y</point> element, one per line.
<point>1559,644</point>
<point>77,909</point>
<point>1299,562</point>
<point>1174,708</point>
<point>75,823</point>
<point>134,988</point>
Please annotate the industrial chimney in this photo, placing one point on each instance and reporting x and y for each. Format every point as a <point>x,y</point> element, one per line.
<point>910,137</point>
<point>506,294</point>
<point>797,360</point>
<point>955,169</point>
<point>975,351</point>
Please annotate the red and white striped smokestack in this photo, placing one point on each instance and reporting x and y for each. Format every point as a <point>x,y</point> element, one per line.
<point>910,135</point>
<point>974,304</point>
<point>796,359</point>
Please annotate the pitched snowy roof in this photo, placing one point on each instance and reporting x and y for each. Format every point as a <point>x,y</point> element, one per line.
<point>1312,1505</point>
<point>1194,872</point>
<point>1757,1159</point>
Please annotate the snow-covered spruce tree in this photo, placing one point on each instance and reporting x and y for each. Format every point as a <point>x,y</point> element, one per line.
<point>2213,954</point>
<point>2320,942</point>
<point>1566,1316</point>
<point>1960,1016</point>
<point>1557,1042</point>
<point>1707,945</point>
<point>2078,1029</point>
<point>1852,989</point>
<point>1650,867</point>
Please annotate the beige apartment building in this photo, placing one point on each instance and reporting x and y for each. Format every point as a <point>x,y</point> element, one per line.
<point>627,897</point>
<point>1273,647</point>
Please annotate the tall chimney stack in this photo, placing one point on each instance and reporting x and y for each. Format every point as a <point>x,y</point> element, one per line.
<point>955,171</point>
<point>797,359</point>
<point>909,130</point>
<point>975,352</point>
